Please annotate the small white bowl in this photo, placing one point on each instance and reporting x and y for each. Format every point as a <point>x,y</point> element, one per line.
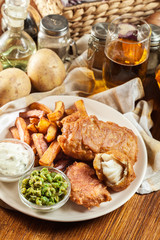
<point>44,208</point>
<point>16,173</point>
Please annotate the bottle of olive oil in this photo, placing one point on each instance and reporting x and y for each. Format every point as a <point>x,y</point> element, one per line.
<point>16,46</point>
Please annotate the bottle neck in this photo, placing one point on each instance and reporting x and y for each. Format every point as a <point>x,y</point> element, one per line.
<point>15,29</point>
<point>14,13</point>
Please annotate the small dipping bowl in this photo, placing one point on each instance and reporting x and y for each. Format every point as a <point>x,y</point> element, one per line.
<point>44,208</point>
<point>16,159</point>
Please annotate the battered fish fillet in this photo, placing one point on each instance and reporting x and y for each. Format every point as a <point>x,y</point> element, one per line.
<point>86,189</point>
<point>87,136</point>
<point>114,169</point>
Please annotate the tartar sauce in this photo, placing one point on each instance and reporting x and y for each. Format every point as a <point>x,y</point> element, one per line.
<point>14,158</point>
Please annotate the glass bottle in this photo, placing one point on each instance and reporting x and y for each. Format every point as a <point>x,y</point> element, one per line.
<point>95,54</point>
<point>31,23</point>
<point>154,56</point>
<point>54,34</point>
<point>16,46</point>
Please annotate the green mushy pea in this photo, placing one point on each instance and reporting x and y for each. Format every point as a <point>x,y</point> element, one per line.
<point>44,187</point>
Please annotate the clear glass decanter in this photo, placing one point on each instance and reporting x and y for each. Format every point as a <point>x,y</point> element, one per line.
<point>16,46</point>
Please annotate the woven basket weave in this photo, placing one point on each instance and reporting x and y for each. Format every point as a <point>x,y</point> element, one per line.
<point>83,16</point>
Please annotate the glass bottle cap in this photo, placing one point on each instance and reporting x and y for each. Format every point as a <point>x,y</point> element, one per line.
<point>54,24</point>
<point>99,30</point>
<point>155,36</point>
<point>15,12</point>
<point>16,9</point>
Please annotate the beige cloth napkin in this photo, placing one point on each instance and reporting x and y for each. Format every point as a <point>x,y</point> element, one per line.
<point>80,81</point>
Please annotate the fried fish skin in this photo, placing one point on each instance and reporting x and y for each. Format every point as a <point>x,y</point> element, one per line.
<point>86,189</point>
<point>86,136</point>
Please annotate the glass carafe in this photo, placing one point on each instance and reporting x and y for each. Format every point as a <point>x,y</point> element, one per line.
<point>16,46</point>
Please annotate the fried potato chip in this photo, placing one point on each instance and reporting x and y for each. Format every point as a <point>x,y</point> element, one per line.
<point>58,112</point>
<point>40,143</point>
<point>14,132</point>
<point>34,120</point>
<point>40,106</point>
<point>81,107</point>
<point>22,130</point>
<point>32,113</point>
<point>43,125</point>
<point>51,133</point>
<point>31,127</point>
<point>36,162</point>
<point>50,154</point>
<point>69,111</point>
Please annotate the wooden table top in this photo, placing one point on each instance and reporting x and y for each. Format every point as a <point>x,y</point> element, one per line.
<point>138,218</point>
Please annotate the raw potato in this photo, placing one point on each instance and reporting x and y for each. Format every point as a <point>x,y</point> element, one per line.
<point>14,84</point>
<point>46,70</point>
<point>154,19</point>
<point>1,67</point>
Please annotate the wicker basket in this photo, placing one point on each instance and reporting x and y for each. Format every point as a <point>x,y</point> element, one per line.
<point>83,16</point>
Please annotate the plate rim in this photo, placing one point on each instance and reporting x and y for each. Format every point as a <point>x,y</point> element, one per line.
<point>141,141</point>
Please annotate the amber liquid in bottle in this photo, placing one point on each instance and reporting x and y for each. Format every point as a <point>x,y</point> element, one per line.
<point>124,60</point>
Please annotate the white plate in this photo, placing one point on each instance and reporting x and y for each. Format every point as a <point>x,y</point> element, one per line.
<point>72,212</point>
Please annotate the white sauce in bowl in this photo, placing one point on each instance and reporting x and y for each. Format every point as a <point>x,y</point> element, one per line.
<point>14,158</point>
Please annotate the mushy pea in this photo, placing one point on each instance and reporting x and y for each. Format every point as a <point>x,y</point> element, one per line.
<point>44,187</point>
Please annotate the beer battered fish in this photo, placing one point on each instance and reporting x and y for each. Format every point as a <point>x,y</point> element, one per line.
<point>87,136</point>
<point>86,189</point>
<point>114,169</point>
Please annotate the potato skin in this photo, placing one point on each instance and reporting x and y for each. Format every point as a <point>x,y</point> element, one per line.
<point>14,84</point>
<point>45,70</point>
<point>1,67</point>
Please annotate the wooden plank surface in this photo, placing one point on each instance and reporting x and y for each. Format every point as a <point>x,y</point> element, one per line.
<point>138,219</point>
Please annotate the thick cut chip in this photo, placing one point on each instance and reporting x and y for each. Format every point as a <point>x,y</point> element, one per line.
<point>43,125</point>
<point>14,131</point>
<point>40,143</point>
<point>58,112</point>
<point>81,108</point>
<point>31,127</point>
<point>22,130</point>
<point>34,120</point>
<point>32,113</point>
<point>50,154</point>
<point>40,106</point>
<point>51,132</point>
